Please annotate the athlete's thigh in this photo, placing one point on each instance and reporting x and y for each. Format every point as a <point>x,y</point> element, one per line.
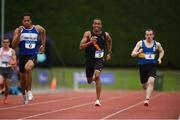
<point>89,69</point>
<point>29,64</point>
<point>22,61</point>
<point>31,61</point>
<point>143,74</point>
<point>8,74</point>
<point>97,73</point>
<point>152,70</point>
<point>98,65</point>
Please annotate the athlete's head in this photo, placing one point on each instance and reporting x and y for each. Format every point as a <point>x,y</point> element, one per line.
<point>149,34</point>
<point>97,25</point>
<point>27,20</point>
<point>6,42</point>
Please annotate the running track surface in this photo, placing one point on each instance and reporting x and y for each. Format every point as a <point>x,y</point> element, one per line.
<point>80,105</point>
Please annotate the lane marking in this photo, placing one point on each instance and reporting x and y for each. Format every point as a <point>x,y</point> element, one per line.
<point>39,103</point>
<point>32,104</point>
<point>127,108</point>
<point>68,108</point>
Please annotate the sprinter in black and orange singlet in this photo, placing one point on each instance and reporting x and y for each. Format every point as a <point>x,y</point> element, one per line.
<point>94,42</point>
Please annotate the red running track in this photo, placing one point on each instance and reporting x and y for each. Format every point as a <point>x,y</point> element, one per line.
<point>80,105</point>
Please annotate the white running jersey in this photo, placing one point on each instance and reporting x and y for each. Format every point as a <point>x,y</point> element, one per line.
<point>5,56</point>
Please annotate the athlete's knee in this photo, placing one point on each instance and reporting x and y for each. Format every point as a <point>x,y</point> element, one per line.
<point>27,68</point>
<point>29,65</point>
<point>97,75</point>
<point>151,80</point>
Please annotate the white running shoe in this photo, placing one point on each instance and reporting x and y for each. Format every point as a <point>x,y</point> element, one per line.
<point>30,96</point>
<point>25,97</point>
<point>97,103</point>
<point>146,102</point>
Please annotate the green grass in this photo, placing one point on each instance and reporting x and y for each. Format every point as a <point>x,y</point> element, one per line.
<point>171,80</point>
<point>125,79</point>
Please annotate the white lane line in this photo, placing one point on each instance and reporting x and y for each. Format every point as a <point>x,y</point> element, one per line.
<point>68,108</point>
<point>132,106</point>
<point>17,106</point>
<point>39,103</point>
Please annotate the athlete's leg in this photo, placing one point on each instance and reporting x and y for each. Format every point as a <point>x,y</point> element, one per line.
<point>28,67</point>
<point>150,80</point>
<point>98,83</point>
<point>23,82</point>
<point>2,85</point>
<point>22,73</point>
<point>7,85</point>
<point>150,87</point>
<point>6,92</point>
<point>143,76</point>
<point>89,71</point>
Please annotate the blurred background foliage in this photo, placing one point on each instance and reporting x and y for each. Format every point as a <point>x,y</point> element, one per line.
<point>67,20</point>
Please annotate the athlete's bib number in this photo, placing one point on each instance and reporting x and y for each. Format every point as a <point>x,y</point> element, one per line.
<point>4,64</point>
<point>149,56</point>
<point>99,53</point>
<point>30,45</point>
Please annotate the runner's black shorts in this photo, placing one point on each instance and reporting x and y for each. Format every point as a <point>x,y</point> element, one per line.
<point>92,65</point>
<point>146,71</point>
<point>23,59</point>
<point>6,72</point>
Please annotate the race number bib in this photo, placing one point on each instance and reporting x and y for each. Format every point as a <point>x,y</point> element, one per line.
<point>99,53</point>
<point>30,45</point>
<point>4,64</point>
<point>149,56</point>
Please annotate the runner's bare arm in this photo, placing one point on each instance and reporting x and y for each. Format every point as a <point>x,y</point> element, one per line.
<point>161,52</point>
<point>84,44</point>
<point>16,37</point>
<point>13,58</point>
<point>137,49</point>
<point>42,32</point>
<point>109,45</point>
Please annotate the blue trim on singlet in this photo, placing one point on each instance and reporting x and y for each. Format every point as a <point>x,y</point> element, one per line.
<point>146,50</point>
<point>28,37</point>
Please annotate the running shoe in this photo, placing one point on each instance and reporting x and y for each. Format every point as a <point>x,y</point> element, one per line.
<point>30,96</point>
<point>146,102</point>
<point>97,103</point>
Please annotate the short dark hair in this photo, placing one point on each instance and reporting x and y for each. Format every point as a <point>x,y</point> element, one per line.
<point>149,29</point>
<point>27,14</point>
<point>97,19</point>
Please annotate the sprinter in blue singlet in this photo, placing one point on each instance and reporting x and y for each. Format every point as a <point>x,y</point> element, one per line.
<point>145,50</point>
<point>26,37</point>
